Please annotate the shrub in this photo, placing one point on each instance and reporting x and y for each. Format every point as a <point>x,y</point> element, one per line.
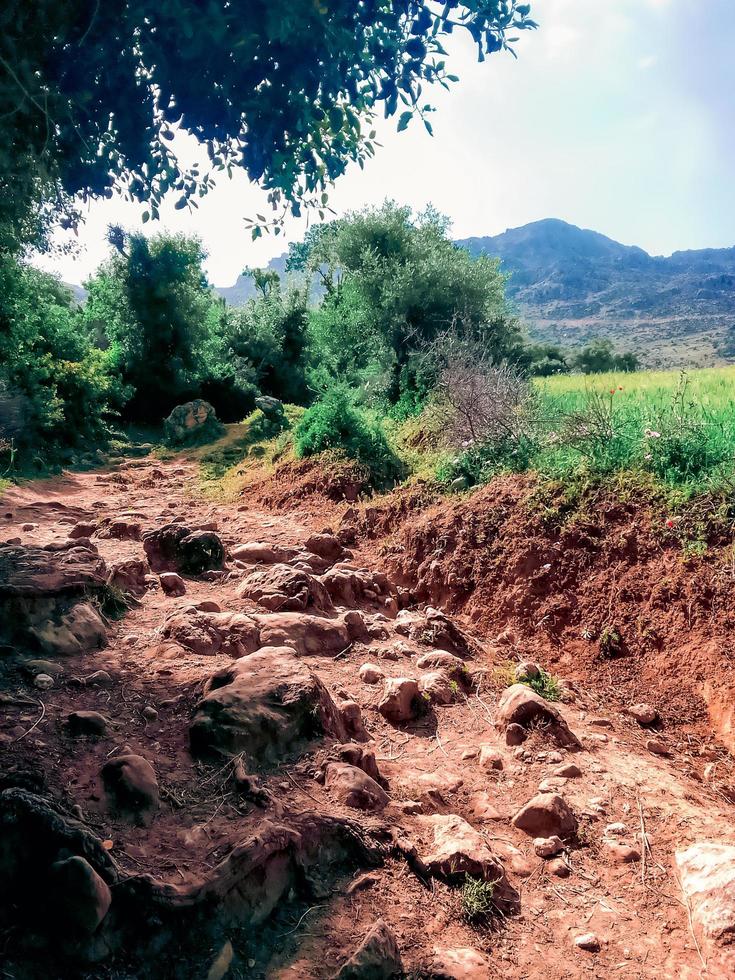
<point>477,900</point>
<point>334,422</point>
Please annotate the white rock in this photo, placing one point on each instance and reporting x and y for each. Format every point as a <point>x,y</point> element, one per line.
<point>707,872</point>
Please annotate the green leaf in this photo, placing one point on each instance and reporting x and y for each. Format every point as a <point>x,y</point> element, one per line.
<point>404,120</point>
<point>146,216</point>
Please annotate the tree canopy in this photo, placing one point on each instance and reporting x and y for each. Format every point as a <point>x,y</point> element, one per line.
<point>91,93</point>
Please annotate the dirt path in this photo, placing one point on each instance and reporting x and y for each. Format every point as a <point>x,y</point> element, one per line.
<point>654,804</point>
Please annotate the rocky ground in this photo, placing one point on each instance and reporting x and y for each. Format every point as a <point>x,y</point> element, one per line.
<point>231,745</point>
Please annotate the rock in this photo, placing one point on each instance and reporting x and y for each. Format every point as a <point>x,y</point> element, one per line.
<point>546,815</point>
<point>622,853</point>
<point>568,770</point>
<point>361,757</point>
<point>459,850</point>
<point>546,847</point>
<point>119,528</point>
<point>172,583</point>
<point>515,734</point>
<point>272,409</point>
<point>363,881</point>
<point>81,629</point>
<point>615,829</point>
<point>438,688</point>
<point>351,587</point>
<point>325,546</point>
<point>257,553</point>
<point>490,758</point>
<point>99,678</point>
<point>207,634</point>
<point>643,713</point>
<point>129,575</point>
<point>193,422</point>
<point>376,958</point>
<point>433,628</point>
<point>281,588</point>
<point>83,529</point>
<point>587,941</point>
<point>527,670</point>
<point>308,635</point>
<point>460,963</point>
<point>354,788</point>
<point>401,700</point>
<point>351,714</point>
<point>657,746</point>
<point>519,705</point>
<point>131,788</point>
<point>267,706</point>
<point>43,682</point>
<point>707,872</point>
<point>78,895</point>
<point>559,868</point>
<point>483,809</point>
<point>149,713</point>
<point>176,548</point>
<point>441,660</point>
<point>35,667</point>
<point>371,674</point>
<point>87,723</point>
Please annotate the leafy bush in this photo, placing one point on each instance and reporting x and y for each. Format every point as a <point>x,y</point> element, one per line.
<point>334,422</point>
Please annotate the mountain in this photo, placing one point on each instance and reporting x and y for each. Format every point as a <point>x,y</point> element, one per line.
<point>571,284</point>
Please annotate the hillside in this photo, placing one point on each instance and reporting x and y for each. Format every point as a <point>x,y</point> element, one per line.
<point>572,284</point>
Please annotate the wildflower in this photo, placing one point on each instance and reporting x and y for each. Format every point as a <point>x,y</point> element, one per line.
<point>620,387</point>
<point>651,434</point>
<point>670,522</point>
<point>648,456</point>
<point>612,391</point>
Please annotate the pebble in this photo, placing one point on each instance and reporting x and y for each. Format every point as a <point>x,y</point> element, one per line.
<point>558,867</point>
<point>100,678</point>
<point>656,746</point>
<point>643,713</point>
<point>568,771</point>
<point>588,941</point>
<point>149,713</point>
<point>546,847</point>
<point>43,682</point>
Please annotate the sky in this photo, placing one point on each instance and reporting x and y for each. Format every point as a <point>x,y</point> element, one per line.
<point>617,115</point>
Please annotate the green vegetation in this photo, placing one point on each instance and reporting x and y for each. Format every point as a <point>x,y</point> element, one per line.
<point>92,95</point>
<point>477,900</point>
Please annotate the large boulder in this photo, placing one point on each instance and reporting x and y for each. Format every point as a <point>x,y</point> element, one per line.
<point>459,851</point>
<point>266,705</point>
<point>309,635</point>
<point>401,700</point>
<point>520,705</point>
<point>79,630</point>
<point>281,588</point>
<point>376,958</point>
<point>79,897</point>
<point>354,788</point>
<point>129,575</point>
<point>176,548</point>
<point>207,634</point>
<point>707,872</point>
<point>260,553</point>
<point>546,815</point>
<point>193,422</point>
<point>351,587</point>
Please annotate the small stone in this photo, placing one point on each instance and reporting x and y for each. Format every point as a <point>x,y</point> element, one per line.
<point>87,723</point>
<point>43,682</point>
<point>546,847</point>
<point>410,807</point>
<point>601,722</point>
<point>527,670</point>
<point>569,770</point>
<point>643,713</point>
<point>376,956</point>
<point>149,713</point>
<point>490,758</point>
<point>36,667</point>
<point>546,815</point>
<point>131,787</point>
<point>354,788</point>
<point>554,757</point>
<point>401,700</point>
<point>622,853</point>
<point>363,881</point>
<point>172,584</point>
<point>483,809</point>
<point>615,829</point>
<point>471,752</point>
<point>371,674</point>
<point>657,746</point>
<point>515,734</point>
<point>588,941</point>
<point>100,678</point>
<point>558,867</point>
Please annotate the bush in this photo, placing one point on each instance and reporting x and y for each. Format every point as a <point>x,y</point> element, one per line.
<point>334,422</point>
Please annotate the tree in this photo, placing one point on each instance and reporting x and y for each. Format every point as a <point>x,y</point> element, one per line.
<point>394,282</point>
<point>599,356</point>
<point>154,305</point>
<point>91,93</point>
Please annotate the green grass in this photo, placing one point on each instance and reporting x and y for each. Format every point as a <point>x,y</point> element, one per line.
<point>477,900</point>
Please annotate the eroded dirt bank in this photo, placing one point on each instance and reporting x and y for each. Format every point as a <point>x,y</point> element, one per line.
<point>290,768</point>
